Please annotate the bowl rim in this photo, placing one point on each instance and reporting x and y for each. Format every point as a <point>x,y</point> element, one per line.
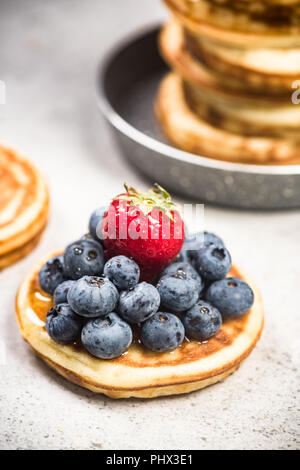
<point>119,123</point>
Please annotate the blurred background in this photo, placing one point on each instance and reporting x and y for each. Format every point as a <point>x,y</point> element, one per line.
<point>49,54</point>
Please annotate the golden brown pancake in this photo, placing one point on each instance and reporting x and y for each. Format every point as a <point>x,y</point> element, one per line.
<point>189,132</point>
<point>24,203</point>
<point>139,372</point>
<point>178,54</point>
<point>12,257</point>
<point>244,117</point>
<point>265,71</point>
<point>244,24</point>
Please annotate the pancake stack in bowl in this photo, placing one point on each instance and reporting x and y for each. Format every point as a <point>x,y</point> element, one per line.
<point>234,65</point>
<point>24,207</point>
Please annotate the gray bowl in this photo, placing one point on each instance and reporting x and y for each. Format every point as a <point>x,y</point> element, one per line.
<point>127,85</point>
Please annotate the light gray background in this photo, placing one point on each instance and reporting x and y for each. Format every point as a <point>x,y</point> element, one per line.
<point>48,56</point>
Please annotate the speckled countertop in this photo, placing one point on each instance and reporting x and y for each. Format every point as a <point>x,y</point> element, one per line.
<point>48,56</point>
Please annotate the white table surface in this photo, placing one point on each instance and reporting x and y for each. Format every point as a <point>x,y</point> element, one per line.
<point>48,56</point>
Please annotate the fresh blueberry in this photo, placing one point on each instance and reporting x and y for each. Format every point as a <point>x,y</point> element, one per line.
<point>62,324</point>
<point>95,224</point>
<point>122,271</point>
<point>213,262</point>
<point>212,239</point>
<point>178,292</point>
<point>139,303</point>
<point>107,337</point>
<point>187,268</point>
<point>162,332</point>
<point>93,296</point>
<point>232,296</point>
<point>60,293</point>
<point>191,244</point>
<point>52,274</point>
<point>202,321</point>
<point>195,242</point>
<point>84,257</point>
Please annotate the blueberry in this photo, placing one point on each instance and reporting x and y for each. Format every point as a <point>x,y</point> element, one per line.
<point>107,337</point>
<point>62,324</point>
<point>190,246</point>
<point>60,293</point>
<point>93,296</point>
<point>187,268</point>
<point>178,292</point>
<point>52,274</point>
<point>139,304</point>
<point>232,296</point>
<point>202,321</point>
<point>95,223</point>
<point>84,257</point>
<point>162,332</point>
<point>212,239</point>
<point>213,262</point>
<point>196,241</point>
<point>122,271</point>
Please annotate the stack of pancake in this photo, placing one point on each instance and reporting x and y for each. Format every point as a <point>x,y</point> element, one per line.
<point>24,206</point>
<point>234,64</point>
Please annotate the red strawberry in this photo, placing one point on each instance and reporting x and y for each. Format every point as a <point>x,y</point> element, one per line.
<point>146,227</point>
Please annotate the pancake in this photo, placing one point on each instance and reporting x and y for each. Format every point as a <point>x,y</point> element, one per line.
<point>24,202</point>
<point>12,257</point>
<point>244,117</point>
<point>178,53</point>
<point>189,132</point>
<point>139,372</point>
<point>268,71</point>
<point>244,24</point>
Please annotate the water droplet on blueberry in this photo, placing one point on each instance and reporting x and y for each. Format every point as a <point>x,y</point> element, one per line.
<point>204,310</point>
<point>163,318</point>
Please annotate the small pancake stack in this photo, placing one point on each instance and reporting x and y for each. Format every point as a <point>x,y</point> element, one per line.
<point>234,65</point>
<point>24,207</point>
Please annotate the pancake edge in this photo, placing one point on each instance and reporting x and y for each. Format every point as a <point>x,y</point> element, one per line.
<point>175,51</point>
<point>231,37</point>
<point>8,259</point>
<point>187,131</point>
<point>34,226</point>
